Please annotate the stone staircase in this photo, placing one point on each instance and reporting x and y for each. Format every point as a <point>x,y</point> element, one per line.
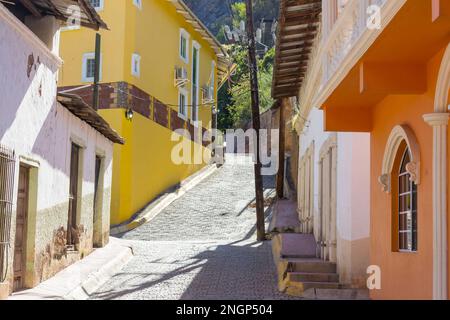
<point>298,268</point>
<point>300,273</point>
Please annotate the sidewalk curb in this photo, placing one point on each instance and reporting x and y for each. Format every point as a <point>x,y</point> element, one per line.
<point>167,199</point>
<point>81,279</point>
<point>100,277</point>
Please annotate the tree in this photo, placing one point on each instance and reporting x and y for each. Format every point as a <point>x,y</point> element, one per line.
<point>240,107</point>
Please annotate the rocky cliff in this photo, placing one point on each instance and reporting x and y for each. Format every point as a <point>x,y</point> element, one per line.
<point>216,13</point>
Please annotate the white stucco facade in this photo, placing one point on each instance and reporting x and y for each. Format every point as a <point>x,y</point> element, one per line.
<point>40,131</point>
<point>351,199</point>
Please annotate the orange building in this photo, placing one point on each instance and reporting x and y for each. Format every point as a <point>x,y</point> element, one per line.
<point>383,67</point>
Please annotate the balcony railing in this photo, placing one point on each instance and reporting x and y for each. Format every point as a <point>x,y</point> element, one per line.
<point>337,49</point>
<point>347,30</point>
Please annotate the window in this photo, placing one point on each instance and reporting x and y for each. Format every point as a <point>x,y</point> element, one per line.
<point>407,206</point>
<point>212,82</point>
<point>184,45</point>
<point>97,4</point>
<point>88,70</point>
<point>195,80</point>
<point>7,174</point>
<point>136,65</point>
<point>182,103</point>
<point>400,178</point>
<point>138,4</point>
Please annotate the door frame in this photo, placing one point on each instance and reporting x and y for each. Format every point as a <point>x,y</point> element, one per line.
<point>328,192</point>
<point>23,256</point>
<point>79,182</point>
<point>97,214</point>
<point>31,279</point>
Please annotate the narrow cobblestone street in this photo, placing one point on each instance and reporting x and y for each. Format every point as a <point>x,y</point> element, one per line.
<point>203,246</point>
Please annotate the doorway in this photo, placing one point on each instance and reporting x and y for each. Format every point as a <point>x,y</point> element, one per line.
<point>98,201</point>
<point>73,195</point>
<point>327,233</point>
<point>21,228</point>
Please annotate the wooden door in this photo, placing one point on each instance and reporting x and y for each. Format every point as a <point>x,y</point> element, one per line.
<point>97,213</point>
<point>21,228</point>
<point>73,193</point>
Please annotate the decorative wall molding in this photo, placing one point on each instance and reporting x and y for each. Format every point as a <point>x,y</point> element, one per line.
<point>399,134</point>
<point>328,145</point>
<point>443,83</point>
<point>340,56</point>
<point>439,122</point>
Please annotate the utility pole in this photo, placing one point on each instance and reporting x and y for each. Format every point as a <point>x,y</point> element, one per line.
<point>253,66</point>
<point>97,70</point>
<point>281,151</point>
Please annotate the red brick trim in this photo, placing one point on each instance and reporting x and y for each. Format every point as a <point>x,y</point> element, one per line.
<point>124,95</point>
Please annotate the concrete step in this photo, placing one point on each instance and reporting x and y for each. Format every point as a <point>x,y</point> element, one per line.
<point>298,289</point>
<point>320,285</point>
<point>337,294</point>
<point>298,245</point>
<point>285,217</point>
<point>310,266</point>
<point>312,277</point>
<point>294,245</point>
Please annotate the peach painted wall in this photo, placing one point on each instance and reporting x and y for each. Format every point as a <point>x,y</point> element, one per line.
<point>404,275</point>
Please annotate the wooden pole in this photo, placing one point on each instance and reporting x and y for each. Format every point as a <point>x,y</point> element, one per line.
<point>281,153</point>
<point>97,70</point>
<point>260,227</point>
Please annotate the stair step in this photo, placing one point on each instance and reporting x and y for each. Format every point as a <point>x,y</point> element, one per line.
<point>296,245</point>
<point>313,277</point>
<point>285,218</point>
<point>320,285</point>
<point>308,288</point>
<point>337,294</point>
<point>310,266</point>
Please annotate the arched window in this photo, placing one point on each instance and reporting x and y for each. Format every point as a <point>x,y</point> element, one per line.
<point>407,205</point>
<point>400,178</point>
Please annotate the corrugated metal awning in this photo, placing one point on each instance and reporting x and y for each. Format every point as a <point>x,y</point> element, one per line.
<point>61,9</point>
<point>79,108</point>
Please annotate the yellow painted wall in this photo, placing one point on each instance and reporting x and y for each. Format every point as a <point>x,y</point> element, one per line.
<point>142,167</point>
<point>153,33</point>
<point>75,43</point>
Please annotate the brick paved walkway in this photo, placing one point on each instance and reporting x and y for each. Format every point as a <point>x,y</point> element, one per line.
<point>201,247</point>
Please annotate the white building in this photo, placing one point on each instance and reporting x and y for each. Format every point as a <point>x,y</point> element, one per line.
<point>55,152</point>
<point>334,196</point>
<point>333,193</point>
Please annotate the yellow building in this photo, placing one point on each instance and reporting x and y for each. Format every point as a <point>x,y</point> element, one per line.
<point>161,65</point>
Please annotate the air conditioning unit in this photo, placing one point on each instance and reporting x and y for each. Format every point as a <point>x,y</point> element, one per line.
<point>208,94</point>
<point>181,77</point>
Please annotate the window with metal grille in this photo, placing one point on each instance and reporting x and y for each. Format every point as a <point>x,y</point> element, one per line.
<point>407,207</point>
<point>90,68</point>
<point>97,4</point>
<point>182,104</point>
<point>7,166</point>
<point>184,45</point>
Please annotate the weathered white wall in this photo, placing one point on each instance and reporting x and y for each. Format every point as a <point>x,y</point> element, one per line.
<point>353,195</point>
<point>40,132</point>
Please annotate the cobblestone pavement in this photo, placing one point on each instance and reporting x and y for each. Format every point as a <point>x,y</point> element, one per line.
<point>202,246</point>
